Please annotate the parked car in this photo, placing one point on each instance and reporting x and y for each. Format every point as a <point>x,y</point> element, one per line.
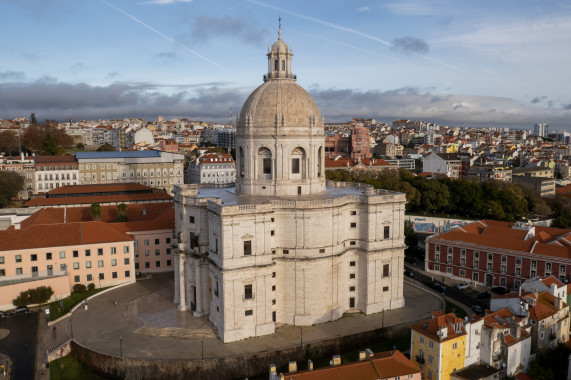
<point>439,288</point>
<point>20,310</point>
<point>408,273</point>
<point>500,290</point>
<point>463,286</point>
<point>484,296</point>
<point>478,309</point>
<point>3,314</point>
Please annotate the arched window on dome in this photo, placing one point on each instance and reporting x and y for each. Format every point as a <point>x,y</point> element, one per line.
<point>276,65</point>
<point>319,160</point>
<point>298,163</point>
<point>241,161</point>
<point>264,162</point>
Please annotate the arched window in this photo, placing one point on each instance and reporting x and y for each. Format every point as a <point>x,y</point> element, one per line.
<point>298,163</point>
<point>264,163</point>
<point>319,159</point>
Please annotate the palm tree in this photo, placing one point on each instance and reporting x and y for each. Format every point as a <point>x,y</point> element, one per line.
<point>95,210</point>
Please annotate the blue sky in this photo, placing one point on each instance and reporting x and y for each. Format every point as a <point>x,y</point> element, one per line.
<point>468,63</point>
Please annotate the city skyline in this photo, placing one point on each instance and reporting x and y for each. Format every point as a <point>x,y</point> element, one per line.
<point>468,64</point>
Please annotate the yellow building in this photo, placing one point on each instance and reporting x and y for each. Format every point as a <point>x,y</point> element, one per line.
<point>438,345</point>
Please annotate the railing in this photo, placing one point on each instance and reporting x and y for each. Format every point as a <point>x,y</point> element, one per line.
<point>420,360</point>
<point>279,75</point>
<point>34,276</point>
<point>249,297</point>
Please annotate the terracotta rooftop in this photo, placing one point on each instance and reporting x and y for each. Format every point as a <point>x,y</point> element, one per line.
<point>381,366</point>
<point>112,187</point>
<point>60,235</point>
<point>548,281</point>
<point>547,241</point>
<point>440,320</point>
<point>99,199</point>
<point>140,216</point>
<point>54,159</point>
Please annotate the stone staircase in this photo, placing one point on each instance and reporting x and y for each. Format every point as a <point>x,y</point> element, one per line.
<point>55,336</point>
<point>131,317</point>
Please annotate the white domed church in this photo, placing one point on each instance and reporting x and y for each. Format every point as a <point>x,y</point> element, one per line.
<point>284,246</point>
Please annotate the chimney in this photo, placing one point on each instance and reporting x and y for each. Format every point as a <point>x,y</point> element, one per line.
<point>336,360</point>
<point>272,368</point>
<point>292,366</point>
<point>558,303</point>
<point>362,355</point>
<point>369,353</point>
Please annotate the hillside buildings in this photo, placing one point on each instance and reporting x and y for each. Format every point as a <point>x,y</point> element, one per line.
<point>283,246</point>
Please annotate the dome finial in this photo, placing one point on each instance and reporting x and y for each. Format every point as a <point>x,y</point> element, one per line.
<point>280,28</point>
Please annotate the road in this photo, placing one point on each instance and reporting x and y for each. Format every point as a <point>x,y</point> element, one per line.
<point>466,296</point>
<point>20,344</point>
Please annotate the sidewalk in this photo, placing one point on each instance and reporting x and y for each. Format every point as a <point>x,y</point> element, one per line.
<point>145,323</point>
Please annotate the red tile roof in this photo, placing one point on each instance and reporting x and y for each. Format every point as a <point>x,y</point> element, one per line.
<point>381,366</point>
<point>503,235</point>
<point>548,281</point>
<point>54,159</point>
<point>60,235</point>
<point>112,187</point>
<point>439,320</point>
<point>99,199</point>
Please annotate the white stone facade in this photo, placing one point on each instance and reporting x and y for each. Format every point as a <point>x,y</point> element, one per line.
<point>282,247</point>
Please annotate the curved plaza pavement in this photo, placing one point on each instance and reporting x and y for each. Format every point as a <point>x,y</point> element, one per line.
<point>141,321</point>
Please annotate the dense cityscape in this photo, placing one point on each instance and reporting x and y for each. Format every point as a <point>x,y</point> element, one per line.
<point>308,235</point>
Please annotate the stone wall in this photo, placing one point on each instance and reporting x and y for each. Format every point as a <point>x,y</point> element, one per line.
<point>228,368</point>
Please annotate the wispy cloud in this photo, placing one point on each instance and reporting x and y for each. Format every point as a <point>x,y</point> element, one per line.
<point>410,44</point>
<point>12,75</point>
<point>206,28</point>
<point>366,8</point>
<point>345,29</point>
<point>162,35</point>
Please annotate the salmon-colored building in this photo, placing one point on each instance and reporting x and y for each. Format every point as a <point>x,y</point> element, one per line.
<point>61,255</point>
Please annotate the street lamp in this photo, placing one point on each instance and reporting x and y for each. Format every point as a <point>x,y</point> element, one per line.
<point>202,340</point>
<point>121,345</point>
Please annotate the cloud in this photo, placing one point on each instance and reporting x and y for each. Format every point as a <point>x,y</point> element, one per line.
<point>210,101</point>
<point>166,57</point>
<point>76,68</point>
<point>538,99</point>
<point>410,44</point>
<point>206,28</point>
<point>12,76</point>
<point>364,9</point>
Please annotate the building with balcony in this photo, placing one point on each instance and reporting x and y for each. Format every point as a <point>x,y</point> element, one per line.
<point>485,173</point>
<point>61,255</point>
<point>447,164</point>
<point>212,169</point>
<point>497,253</point>
<point>52,172</point>
<point>284,246</point>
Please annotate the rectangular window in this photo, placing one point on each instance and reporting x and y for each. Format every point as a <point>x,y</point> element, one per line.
<point>87,252</point>
<point>75,265</point>
<point>351,288</point>
<point>533,263</point>
<point>157,252</point>
<point>286,251</point>
<point>113,250</point>
<point>76,278</point>
<point>272,233</point>
<point>351,263</point>
<point>88,264</point>
<point>127,273</point>
<point>75,253</point>
<point>247,313</point>
<point>191,219</point>
<point>48,257</point>
<point>518,261</point>
<point>532,274</point>
<point>18,271</point>
<point>100,263</point>
<point>437,257</point>
<point>437,248</point>
<point>99,251</point>
<point>547,266</point>
<point>62,255</point>
<point>248,292</point>
<point>475,277</point>
<point>562,268</point>
<point>386,232</point>
<point>114,274</point>
<point>157,241</point>
<point>449,270</point>
<point>385,288</point>
<point>504,259</point>
<point>146,242</point>
<point>352,275</point>
<point>353,225</point>
<point>476,254</point>
<point>113,262</point>
<point>147,265</point>
<point>386,270</point>
<point>169,263</point>
<point>157,264</point>
<point>352,242</point>
<point>146,252</point>
<point>490,256</point>
<point>34,257</point>
<point>89,278</point>
<point>295,165</point>
<point>267,165</point>
<point>462,273</point>
<point>126,261</point>
<point>126,249</point>
<point>247,247</point>
<point>518,271</point>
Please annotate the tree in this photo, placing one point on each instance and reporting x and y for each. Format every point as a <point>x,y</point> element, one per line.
<point>122,212</point>
<point>95,211</point>
<point>39,295</point>
<point>9,142</point>
<point>35,135</point>
<point>106,148</point>
<point>10,183</point>
<point>49,147</point>
<point>80,146</point>
<point>33,119</point>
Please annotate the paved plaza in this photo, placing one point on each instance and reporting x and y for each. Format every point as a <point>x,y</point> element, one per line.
<point>141,321</point>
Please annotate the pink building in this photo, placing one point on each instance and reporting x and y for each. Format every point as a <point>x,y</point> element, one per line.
<point>61,255</point>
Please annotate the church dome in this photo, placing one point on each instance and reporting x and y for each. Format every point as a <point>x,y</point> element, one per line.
<point>281,103</point>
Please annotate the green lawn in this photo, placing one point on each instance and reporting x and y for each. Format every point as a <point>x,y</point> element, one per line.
<point>453,308</point>
<point>67,368</point>
<point>69,302</point>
